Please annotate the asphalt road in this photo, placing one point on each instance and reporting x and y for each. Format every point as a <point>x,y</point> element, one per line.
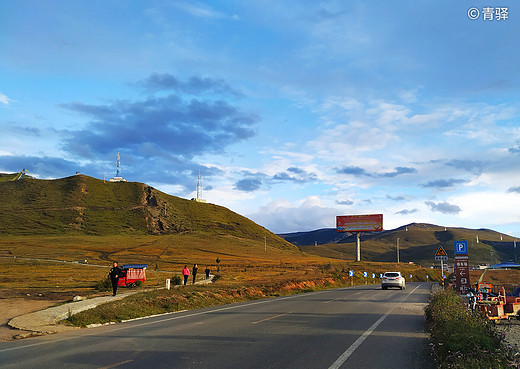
<point>359,327</point>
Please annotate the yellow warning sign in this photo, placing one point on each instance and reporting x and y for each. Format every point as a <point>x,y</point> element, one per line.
<point>441,252</point>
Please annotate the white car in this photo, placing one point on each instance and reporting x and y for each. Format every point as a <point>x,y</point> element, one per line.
<point>393,279</point>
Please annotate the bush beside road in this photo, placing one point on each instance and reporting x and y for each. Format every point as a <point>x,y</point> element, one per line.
<point>462,338</point>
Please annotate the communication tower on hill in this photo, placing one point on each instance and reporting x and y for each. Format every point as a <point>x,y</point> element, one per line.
<point>118,178</point>
<point>199,190</point>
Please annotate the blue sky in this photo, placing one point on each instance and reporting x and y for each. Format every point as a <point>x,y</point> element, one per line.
<point>293,111</point>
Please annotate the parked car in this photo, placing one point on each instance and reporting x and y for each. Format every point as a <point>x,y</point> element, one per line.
<point>393,279</point>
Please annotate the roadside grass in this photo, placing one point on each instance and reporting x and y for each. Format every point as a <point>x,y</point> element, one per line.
<point>461,338</point>
<point>160,302</point>
<point>199,296</point>
<point>231,286</point>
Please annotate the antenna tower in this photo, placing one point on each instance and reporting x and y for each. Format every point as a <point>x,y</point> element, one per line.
<point>199,187</point>
<point>118,178</point>
<point>118,164</point>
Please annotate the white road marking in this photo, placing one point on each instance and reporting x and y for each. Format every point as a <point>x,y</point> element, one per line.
<point>116,364</point>
<point>272,317</point>
<point>344,356</point>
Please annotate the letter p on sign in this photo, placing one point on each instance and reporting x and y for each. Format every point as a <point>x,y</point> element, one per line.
<point>461,247</point>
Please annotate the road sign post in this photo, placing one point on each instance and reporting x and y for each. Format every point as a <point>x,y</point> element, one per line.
<point>461,247</point>
<point>442,256</point>
<point>462,274</point>
<point>462,283</point>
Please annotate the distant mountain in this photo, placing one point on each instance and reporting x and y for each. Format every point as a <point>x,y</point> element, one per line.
<point>84,205</point>
<point>418,242</point>
<point>319,236</point>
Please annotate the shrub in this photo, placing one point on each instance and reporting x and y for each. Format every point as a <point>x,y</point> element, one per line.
<point>176,280</point>
<point>460,337</point>
<point>104,285</point>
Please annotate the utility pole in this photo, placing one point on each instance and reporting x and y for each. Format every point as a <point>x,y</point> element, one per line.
<point>358,247</point>
<point>514,250</point>
<point>397,250</point>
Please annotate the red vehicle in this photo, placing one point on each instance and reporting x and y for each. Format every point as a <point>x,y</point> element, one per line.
<point>496,303</point>
<point>132,274</point>
<point>500,306</point>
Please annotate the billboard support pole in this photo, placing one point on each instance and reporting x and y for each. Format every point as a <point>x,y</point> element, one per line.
<point>357,224</point>
<point>358,247</point>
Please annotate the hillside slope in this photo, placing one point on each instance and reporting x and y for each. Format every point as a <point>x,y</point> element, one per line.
<point>418,242</point>
<point>84,205</point>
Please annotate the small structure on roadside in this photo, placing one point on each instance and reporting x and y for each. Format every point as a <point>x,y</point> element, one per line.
<point>132,274</point>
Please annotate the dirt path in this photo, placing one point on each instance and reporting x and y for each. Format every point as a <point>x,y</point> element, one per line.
<point>9,308</point>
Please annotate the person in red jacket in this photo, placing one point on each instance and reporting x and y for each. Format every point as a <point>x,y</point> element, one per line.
<point>186,274</point>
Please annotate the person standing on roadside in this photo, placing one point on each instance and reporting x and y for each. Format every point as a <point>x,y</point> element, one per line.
<point>207,272</point>
<point>195,268</point>
<point>114,274</point>
<point>186,274</point>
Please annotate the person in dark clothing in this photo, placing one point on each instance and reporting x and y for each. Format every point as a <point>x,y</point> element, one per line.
<point>114,274</point>
<point>194,271</point>
<point>207,272</point>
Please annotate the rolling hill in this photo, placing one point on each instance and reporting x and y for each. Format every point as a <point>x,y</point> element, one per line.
<point>82,205</point>
<point>418,242</point>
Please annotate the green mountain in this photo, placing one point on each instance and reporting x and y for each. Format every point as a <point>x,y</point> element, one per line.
<point>418,243</point>
<point>84,205</point>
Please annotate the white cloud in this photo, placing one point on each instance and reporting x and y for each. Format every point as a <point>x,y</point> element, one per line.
<point>346,141</point>
<point>489,208</point>
<point>282,216</point>
<point>4,99</point>
<point>199,10</point>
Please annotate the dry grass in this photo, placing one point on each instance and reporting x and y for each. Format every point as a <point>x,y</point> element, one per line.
<point>46,264</point>
<point>510,279</point>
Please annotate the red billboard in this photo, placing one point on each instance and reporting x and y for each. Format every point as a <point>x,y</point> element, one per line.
<point>359,223</point>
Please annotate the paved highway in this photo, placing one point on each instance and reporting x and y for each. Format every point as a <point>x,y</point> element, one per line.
<point>359,327</point>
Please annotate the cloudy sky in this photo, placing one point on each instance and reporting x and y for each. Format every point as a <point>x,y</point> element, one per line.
<point>293,111</point>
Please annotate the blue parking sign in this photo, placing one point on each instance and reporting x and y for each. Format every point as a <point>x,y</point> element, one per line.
<point>461,247</point>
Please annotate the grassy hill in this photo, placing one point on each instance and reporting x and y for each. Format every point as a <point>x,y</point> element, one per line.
<point>6,177</point>
<point>59,237</point>
<point>418,242</point>
<point>82,205</point>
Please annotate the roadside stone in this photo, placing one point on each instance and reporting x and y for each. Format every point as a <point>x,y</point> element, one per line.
<point>511,332</point>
